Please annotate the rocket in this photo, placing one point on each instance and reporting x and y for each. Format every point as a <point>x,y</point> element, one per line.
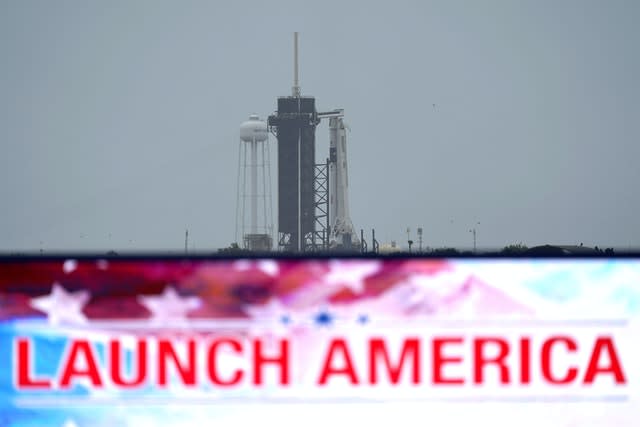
<point>342,234</point>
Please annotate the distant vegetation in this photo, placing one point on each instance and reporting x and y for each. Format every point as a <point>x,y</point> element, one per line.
<point>514,249</point>
<point>445,252</point>
<point>233,249</point>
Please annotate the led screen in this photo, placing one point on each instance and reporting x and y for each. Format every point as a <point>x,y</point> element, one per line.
<point>174,342</point>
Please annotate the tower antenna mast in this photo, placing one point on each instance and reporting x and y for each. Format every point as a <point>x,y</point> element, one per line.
<point>295,90</point>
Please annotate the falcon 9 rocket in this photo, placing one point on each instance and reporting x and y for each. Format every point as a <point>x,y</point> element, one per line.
<point>342,234</point>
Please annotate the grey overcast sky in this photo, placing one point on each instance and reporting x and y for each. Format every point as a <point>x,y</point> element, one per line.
<point>119,120</point>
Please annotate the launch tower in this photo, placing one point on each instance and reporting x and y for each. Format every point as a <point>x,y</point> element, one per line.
<point>294,124</point>
<point>313,207</point>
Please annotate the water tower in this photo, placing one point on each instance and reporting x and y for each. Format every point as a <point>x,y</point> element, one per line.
<point>254,212</point>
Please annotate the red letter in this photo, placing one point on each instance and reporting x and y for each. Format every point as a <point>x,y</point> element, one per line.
<point>328,368</point>
<point>525,360</point>
<point>572,372</point>
<point>115,364</point>
<point>410,346</point>
<point>187,373</point>
<point>69,365</point>
<point>213,373</point>
<point>282,361</point>
<point>479,359</point>
<point>439,360</point>
<point>23,359</point>
<point>614,367</point>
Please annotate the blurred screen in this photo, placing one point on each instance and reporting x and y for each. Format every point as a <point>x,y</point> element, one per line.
<point>307,341</point>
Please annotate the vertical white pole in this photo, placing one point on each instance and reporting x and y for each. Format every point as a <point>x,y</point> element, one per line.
<point>238,192</point>
<point>299,193</point>
<point>254,187</point>
<point>269,194</point>
<point>295,91</point>
<point>244,191</point>
<point>264,188</point>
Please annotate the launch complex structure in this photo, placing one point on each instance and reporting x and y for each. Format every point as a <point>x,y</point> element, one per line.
<point>313,205</point>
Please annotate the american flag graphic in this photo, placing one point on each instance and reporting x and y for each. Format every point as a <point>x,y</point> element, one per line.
<point>66,322</point>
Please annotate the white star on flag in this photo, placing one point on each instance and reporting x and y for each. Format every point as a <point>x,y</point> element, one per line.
<point>350,274</point>
<point>272,309</point>
<point>62,306</point>
<point>69,266</point>
<point>272,317</point>
<point>69,423</point>
<point>267,266</point>
<point>169,307</point>
<point>341,274</point>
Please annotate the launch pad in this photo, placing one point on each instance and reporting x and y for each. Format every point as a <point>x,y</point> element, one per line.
<point>313,208</point>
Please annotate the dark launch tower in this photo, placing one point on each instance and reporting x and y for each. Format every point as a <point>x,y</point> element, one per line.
<point>295,126</point>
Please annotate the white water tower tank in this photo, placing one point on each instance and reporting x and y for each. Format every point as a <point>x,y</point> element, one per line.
<point>254,129</point>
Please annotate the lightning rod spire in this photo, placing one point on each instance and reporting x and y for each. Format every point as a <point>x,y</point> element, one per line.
<point>295,90</point>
